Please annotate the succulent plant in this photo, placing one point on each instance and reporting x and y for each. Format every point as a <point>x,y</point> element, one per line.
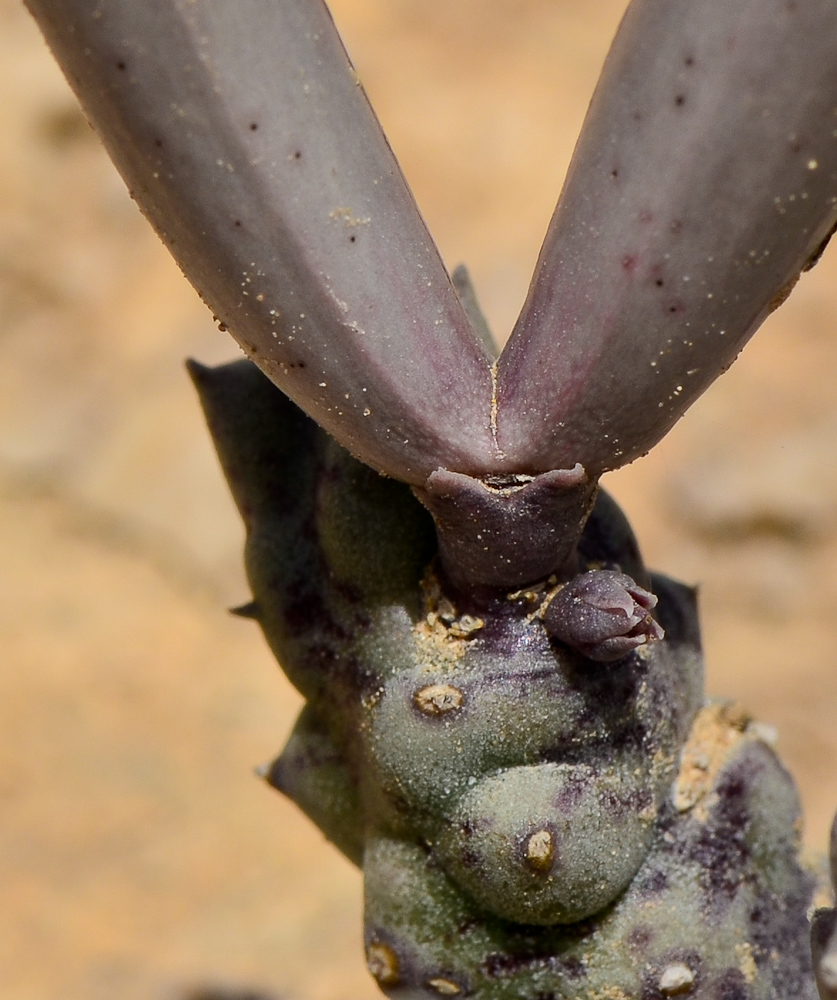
<point>505,723</point>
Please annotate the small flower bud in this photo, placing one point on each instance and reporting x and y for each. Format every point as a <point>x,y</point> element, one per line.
<point>602,614</point>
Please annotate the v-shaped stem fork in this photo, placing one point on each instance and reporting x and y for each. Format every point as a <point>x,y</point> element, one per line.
<point>704,181</point>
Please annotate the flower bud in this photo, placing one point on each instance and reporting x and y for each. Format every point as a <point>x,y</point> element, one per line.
<point>602,614</point>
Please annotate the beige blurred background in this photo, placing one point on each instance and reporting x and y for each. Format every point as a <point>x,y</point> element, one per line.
<point>139,856</point>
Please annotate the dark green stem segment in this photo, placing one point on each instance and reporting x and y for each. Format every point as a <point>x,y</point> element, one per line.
<point>531,823</point>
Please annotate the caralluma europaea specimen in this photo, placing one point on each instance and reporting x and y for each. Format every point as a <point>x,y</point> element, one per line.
<point>505,721</point>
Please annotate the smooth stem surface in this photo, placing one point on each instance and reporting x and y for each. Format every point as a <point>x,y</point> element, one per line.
<point>704,179</point>
<point>245,137</point>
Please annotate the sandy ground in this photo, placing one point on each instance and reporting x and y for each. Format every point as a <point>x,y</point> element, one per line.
<point>139,857</point>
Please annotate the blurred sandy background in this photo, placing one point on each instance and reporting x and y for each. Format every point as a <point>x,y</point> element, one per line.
<point>139,857</point>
